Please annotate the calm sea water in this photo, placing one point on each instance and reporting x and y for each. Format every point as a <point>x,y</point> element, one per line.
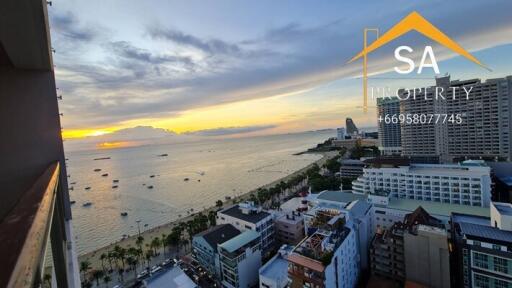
<point>224,167</point>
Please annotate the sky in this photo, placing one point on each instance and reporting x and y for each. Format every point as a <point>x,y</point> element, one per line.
<point>248,67</point>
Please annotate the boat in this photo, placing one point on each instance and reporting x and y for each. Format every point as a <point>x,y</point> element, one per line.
<point>227,198</point>
<point>114,187</point>
<point>97,170</point>
<point>150,187</point>
<point>86,204</point>
<point>198,180</point>
<point>102,158</point>
<point>152,176</point>
<point>124,213</point>
<point>87,188</point>
<point>104,175</point>
<point>72,183</point>
<point>72,202</point>
<point>115,181</point>
<point>186,179</point>
<point>163,155</point>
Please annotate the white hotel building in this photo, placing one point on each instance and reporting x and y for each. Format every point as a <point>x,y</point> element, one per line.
<point>466,184</point>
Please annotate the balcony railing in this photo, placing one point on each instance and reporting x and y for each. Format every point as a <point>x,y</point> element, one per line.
<point>24,232</point>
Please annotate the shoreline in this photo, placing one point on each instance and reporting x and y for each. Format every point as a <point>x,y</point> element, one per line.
<point>94,256</point>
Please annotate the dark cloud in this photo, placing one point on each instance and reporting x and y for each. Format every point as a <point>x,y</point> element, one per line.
<point>231,130</point>
<point>126,50</point>
<point>210,46</point>
<point>67,26</point>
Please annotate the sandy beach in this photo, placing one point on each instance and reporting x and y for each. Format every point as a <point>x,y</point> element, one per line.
<point>94,257</point>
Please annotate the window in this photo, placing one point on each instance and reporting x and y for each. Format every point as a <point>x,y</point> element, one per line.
<point>480,260</point>
<point>481,281</point>
<point>500,265</point>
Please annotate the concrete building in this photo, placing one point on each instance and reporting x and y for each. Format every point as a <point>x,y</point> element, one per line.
<point>455,184</point>
<point>351,127</point>
<point>328,257</point>
<point>351,168</point>
<point>351,143</point>
<point>415,250</point>
<point>341,133</point>
<point>289,228</point>
<point>502,180</point>
<point>427,257</point>
<point>484,131</point>
<point>482,253</point>
<point>390,142</point>
<point>204,246</point>
<point>35,209</point>
<point>501,216</point>
<point>247,216</point>
<point>274,274</point>
<point>240,260</point>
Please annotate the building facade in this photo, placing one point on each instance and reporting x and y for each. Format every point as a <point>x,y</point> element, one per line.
<point>289,228</point>
<point>390,142</point>
<point>204,246</point>
<point>341,133</point>
<point>351,127</point>
<point>240,260</point>
<point>485,110</point>
<point>247,216</point>
<point>351,168</point>
<point>454,184</point>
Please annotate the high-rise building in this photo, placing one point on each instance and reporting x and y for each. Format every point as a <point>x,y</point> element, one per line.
<point>351,127</point>
<point>289,228</point>
<point>35,211</point>
<point>445,183</point>
<point>240,260</point>
<point>485,111</point>
<point>205,244</point>
<point>248,216</point>
<point>328,257</point>
<point>390,142</point>
<point>415,250</point>
<point>341,133</point>
<point>482,250</point>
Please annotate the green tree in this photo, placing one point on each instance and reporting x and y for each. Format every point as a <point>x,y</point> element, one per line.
<point>85,266</point>
<point>219,203</point>
<point>97,274</point>
<point>106,279</point>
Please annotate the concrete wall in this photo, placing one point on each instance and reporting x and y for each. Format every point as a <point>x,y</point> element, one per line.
<point>427,258</point>
<point>30,133</point>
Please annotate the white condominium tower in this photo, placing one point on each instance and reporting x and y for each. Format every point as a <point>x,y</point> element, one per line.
<point>466,184</point>
<point>486,125</point>
<point>389,133</point>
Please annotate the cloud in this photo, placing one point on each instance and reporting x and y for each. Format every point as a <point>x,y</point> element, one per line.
<point>134,82</point>
<point>67,26</point>
<point>231,130</point>
<point>210,46</point>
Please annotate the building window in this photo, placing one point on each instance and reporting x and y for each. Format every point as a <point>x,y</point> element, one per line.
<point>500,265</point>
<point>481,281</point>
<point>480,260</point>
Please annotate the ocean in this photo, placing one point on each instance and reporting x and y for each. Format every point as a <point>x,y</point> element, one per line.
<point>214,168</point>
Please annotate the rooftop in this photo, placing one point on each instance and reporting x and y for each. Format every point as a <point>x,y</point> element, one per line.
<point>218,234</point>
<point>239,241</point>
<point>173,278</point>
<point>253,216</point>
<point>485,231</point>
<point>436,208</point>
<point>503,208</point>
<point>277,267</point>
<point>339,196</point>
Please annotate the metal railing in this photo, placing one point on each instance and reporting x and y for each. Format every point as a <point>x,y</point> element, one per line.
<point>24,233</point>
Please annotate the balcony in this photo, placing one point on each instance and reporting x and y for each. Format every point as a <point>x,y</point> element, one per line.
<point>25,231</point>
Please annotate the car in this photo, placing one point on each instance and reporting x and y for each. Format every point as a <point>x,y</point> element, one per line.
<point>155,269</point>
<point>167,262</point>
<point>142,275</point>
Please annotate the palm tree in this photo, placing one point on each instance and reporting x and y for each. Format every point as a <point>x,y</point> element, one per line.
<point>103,256</point>
<point>106,279</point>
<point>155,244</point>
<point>149,255</point>
<point>163,243</point>
<point>47,278</point>
<point>132,261</point>
<point>84,267</point>
<point>97,274</point>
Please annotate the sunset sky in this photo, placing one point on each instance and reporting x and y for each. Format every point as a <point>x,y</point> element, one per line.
<point>253,67</point>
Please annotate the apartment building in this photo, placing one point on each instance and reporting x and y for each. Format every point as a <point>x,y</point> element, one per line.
<point>328,257</point>
<point>390,142</point>
<point>482,250</point>
<point>240,260</point>
<point>289,228</point>
<point>35,211</point>
<point>274,274</point>
<point>486,120</point>
<point>351,168</point>
<point>415,250</point>
<point>465,184</point>
<point>205,246</point>
<point>248,216</point>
